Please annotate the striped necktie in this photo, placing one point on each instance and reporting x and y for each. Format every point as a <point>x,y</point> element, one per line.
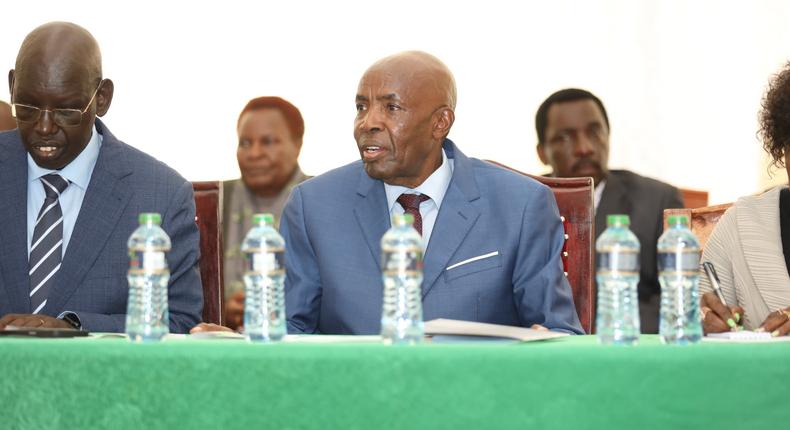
<point>46,248</point>
<point>411,205</point>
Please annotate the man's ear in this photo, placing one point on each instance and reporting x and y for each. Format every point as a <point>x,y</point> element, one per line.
<point>541,150</point>
<point>445,117</point>
<point>104,97</point>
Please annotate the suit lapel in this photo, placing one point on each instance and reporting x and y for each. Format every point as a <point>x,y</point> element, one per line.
<point>614,200</point>
<point>104,202</point>
<point>13,226</point>
<point>456,217</point>
<point>372,214</point>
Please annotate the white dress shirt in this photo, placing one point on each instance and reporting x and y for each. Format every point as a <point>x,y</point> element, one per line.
<point>78,173</point>
<point>435,187</point>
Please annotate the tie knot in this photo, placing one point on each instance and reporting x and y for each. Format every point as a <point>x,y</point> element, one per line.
<point>412,201</point>
<point>54,185</point>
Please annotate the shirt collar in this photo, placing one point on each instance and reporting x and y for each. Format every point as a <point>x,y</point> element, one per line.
<point>598,193</point>
<point>434,187</point>
<point>78,172</point>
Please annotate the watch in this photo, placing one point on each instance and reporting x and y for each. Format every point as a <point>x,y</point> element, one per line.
<point>72,319</point>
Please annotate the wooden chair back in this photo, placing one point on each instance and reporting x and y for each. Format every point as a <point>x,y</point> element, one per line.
<point>702,219</point>
<point>208,205</point>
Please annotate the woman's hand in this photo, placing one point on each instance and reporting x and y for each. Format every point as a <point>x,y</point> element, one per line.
<point>718,318</point>
<point>777,323</point>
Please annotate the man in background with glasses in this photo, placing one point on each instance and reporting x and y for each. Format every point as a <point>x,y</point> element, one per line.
<point>573,138</point>
<point>71,195</point>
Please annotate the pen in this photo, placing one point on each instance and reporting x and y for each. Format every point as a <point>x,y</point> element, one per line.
<point>714,280</point>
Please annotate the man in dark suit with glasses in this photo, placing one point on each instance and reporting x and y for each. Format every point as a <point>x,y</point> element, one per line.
<point>72,193</point>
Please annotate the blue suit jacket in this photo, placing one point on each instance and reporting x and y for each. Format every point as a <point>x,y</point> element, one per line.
<point>92,279</point>
<point>333,226</point>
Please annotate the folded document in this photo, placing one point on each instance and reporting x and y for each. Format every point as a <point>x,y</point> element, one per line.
<point>443,327</point>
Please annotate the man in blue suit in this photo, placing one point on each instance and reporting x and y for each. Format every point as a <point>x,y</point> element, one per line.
<point>71,195</point>
<point>493,237</point>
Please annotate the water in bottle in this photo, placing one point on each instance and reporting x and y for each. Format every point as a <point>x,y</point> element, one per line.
<point>678,273</point>
<point>617,252</point>
<point>264,281</point>
<point>147,317</point>
<point>401,265</point>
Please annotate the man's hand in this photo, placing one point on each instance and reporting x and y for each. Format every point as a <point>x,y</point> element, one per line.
<point>234,310</point>
<point>33,321</point>
<point>777,323</point>
<point>717,318</point>
<point>203,327</point>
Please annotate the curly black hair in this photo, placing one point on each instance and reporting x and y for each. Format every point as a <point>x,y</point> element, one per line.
<point>775,117</point>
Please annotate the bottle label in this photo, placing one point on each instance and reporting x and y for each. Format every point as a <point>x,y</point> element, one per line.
<point>686,262</point>
<point>402,260</point>
<point>147,261</point>
<point>623,262</point>
<point>271,263</point>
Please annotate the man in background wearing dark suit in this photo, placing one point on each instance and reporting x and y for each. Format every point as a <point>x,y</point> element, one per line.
<point>72,193</point>
<point>573,138</point>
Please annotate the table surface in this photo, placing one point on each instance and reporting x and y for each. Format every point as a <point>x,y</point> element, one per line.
<point>572,382</point>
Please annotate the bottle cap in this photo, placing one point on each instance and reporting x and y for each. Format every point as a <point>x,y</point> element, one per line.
<point>266,218</point>
<point>405,219</point>
<point>674,220</point>
<point>149,217</point>
<point>618,220</point>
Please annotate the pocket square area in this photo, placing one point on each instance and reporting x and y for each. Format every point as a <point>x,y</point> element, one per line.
<point>473,264</point>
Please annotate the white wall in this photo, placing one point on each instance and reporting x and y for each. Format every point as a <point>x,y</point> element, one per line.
<point>682,80</point>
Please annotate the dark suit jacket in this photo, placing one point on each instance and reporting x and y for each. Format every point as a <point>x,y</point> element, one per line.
<point>92,279</point>
<point>643,200</point>
<point>333,226</point>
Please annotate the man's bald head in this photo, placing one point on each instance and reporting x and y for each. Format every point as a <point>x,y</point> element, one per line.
<point>59,48</point>
<point>423,70</point>
<point>58,70</point>
<point>405,109</point>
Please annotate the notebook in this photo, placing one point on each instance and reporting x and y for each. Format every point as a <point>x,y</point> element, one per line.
<point>745,336</point>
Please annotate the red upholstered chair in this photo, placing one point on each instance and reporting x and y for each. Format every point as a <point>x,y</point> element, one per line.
<point>208,202</point>
<point>575,201</point>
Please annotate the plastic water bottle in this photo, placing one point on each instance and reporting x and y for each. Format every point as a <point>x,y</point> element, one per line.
<point>617,252</point>
<point>147,317</point>
<point>678,273</point>
<point>264,281</point>
<point>401,266</point>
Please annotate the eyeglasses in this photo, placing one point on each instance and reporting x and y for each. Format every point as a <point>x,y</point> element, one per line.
<point>61,117</point>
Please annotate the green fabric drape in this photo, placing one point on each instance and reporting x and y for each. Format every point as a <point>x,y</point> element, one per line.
<point>567,383</point>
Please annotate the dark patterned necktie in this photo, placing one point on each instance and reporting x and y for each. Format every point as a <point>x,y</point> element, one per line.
<point>411,205</point>
<point>46,247</point>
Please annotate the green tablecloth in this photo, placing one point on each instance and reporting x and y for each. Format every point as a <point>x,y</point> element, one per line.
<point>567,383</point>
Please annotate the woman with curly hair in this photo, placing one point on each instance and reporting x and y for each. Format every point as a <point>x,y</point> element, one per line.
<point>750,246</point>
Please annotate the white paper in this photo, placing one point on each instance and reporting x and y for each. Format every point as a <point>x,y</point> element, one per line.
<point>745,336</point>
<point>443,326</point>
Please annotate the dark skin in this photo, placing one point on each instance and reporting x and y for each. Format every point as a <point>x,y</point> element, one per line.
<point>58,66</point>
<point>403,116</point>
<point>577,141</point>
<point>267,151</point>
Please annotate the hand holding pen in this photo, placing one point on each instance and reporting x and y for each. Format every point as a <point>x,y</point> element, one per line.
<point>717,316</point>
